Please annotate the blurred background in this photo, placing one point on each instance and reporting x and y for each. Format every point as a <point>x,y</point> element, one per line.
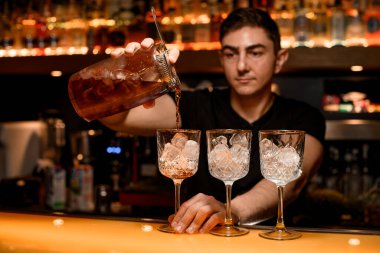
<point>51,159</point>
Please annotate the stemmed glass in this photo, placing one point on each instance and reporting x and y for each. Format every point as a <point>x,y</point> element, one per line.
<point>178,156</point>
<point>281,161</point>
<point>228,153</point>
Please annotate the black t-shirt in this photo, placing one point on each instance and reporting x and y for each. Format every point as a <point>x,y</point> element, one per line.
<point>204,109</point>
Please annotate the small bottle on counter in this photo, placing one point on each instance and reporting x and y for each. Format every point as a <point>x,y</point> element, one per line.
<point>81,189</point>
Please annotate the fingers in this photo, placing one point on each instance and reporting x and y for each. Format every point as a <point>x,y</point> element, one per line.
<point>117,51</point>
<point>199,214</point>
<point>215,219</point>
<point>173,55</point>
<point>132,47</point>
<point>147,42</point>
<point>205,219</point>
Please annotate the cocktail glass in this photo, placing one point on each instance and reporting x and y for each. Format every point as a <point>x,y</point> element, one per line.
<point>281,161</point>
<point>178,156</point>
<point>228,153</point>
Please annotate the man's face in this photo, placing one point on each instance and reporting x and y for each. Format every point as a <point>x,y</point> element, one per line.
<point>248,59</point>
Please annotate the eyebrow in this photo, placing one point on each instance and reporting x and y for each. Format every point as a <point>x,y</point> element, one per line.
<point>236,49</point>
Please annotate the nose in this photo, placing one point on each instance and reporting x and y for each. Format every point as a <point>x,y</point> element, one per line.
<point>242,63</point>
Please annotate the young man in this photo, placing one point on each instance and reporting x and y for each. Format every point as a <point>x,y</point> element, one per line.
<point>251,54</point>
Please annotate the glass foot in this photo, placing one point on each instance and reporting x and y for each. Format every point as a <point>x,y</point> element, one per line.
<point>166,228</point>
<point>281,234</point>
<point>229,231</point>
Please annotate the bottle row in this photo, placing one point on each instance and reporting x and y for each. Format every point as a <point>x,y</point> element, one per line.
<point>50,27</point>
<point>349,183</point>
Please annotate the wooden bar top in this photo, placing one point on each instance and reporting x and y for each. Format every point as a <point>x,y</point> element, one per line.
<point>22,232</point>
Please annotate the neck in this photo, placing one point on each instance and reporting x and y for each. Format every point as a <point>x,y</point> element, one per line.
<point>251,108</point>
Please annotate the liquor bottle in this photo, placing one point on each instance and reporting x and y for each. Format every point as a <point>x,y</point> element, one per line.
<point>42,30</point>
<point>97,36</point>
<point>189,20</point>
<point>6,36</point>
<point>116,161</point>
<point>29,27</point>
<point>51,165</point>
<point>53,34</point>
<point>169,28</point>
<point>367,178</point>
<point>302,26</point>
<point>372,22</point>
<point>332,177</point>
<point>202,27</point>
<point>148,158</point>
<point>215,20</point>
<point>75,34</point>
<point>319,24</point>
<point>355,26</point>
<point>346,176</point>
<point>284,15</point>
<point>118,33</point>
<point>336,24</point>
<point>136,28</point>
<point>81,180</point>
<point>355,180</point>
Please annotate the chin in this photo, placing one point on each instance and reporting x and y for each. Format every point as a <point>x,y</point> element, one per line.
<point>245,90</point>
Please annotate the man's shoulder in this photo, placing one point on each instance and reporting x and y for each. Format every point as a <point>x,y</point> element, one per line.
<point>295,107</point>
<point>295,104</point>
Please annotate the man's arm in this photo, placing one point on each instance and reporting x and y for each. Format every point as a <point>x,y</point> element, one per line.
<point>142,121</point>
<point>260,203</point>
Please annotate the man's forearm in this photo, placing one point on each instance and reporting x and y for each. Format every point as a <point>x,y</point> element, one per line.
<point>256,205</point>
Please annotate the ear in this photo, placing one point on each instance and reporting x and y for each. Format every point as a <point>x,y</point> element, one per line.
<point>282,57</point>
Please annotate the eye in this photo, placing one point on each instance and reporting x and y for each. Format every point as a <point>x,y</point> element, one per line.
<point>254,53</point>
<point>229,54</point>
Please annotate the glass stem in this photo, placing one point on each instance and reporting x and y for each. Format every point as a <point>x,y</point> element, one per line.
<point>177,194</point>
<point>280,209</point>
<point>228,221</point>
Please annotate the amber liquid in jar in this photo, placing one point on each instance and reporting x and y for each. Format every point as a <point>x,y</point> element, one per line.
<point>97,98</point>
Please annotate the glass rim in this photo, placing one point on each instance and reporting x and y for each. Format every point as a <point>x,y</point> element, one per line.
<point>282,131</point>
<point>228,130</point>
<point>177,130</point>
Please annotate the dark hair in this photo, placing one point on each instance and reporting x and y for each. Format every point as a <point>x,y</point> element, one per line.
<point>252,17</point>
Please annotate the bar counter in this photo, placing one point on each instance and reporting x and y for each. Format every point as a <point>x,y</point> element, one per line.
<point>25,232</point>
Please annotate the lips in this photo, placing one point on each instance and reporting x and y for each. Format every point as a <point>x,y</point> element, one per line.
<point>244,80</point>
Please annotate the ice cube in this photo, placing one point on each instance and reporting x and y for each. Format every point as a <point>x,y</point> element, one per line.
<point>288,157</point>
<point>240,154</point>
<point>170,152</point>
<point>239,139</point>
<point>191,150</point>
<point>179,140</point>
<point>267,148</point>
<point>220,140</point>
<point>220,155</point>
